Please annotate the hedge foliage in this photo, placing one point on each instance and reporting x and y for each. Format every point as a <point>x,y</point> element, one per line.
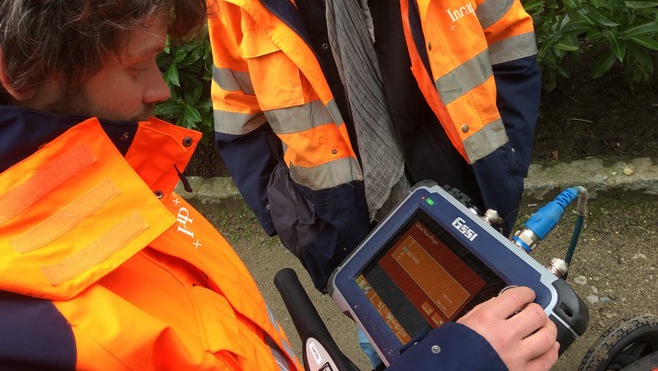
<point>615,32</point>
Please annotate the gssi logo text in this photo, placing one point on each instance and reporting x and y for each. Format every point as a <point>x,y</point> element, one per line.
<point>464,229</point>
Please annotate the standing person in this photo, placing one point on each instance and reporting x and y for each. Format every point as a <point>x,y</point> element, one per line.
<point>326,112</point>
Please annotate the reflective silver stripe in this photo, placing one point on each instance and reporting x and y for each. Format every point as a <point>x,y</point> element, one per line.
<point>230,80</point>
<point>335,112</point>
<point>299,118</point>
<point>273,320</point>
<point>464,78</point>
<point>279,358</point>
<point>519,46</point>
<point>286,346</point>
<point>237,123</point>
<point>328,175</point>
<point>490,11</point>
<point>485,141</point>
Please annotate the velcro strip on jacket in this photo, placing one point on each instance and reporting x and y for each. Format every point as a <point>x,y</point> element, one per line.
<point>71,213</point>
<point>44,181</point>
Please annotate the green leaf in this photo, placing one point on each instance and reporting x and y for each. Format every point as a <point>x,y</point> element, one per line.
<point>641,4</point>
<point>601,17</point>
<point>533,6</point>
<point>171,76</point>
<point>577,27</point>
<point>603,65</point>
<point>192,113</point>
<point>617,46</point>
<point>567,47</point>
<point>168,109</point>
<point>642,60</point>
<point>645,42</point>
<point>642,28</point>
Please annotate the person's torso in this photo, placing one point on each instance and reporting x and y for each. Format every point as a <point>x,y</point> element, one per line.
<point>136,278</point>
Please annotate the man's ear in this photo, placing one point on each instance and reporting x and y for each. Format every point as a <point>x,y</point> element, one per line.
<point>17,94</point>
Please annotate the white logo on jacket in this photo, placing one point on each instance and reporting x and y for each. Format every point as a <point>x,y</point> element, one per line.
<point>183,218</point>
<point>458,13</point>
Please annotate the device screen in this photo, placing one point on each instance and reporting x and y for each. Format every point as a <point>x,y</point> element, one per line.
<point>425,277</point>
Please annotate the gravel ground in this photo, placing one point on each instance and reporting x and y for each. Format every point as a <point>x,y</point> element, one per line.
<point>614,269</point>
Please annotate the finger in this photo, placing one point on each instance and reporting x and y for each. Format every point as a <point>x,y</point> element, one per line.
<point>511,301</point>
<point>530,319</point>
<point>470,312</point>
<point>540,341</point>
<point>545,361</point>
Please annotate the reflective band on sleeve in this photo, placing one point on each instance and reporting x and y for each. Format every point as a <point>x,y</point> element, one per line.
<point>299,118</point>
<point>334,111</point>
<point>329,175</point>
<point>237,123</point>
<point>491,11</point>
<point>464,78</point>
<point>49,177</point>
<point>98,251</point>
<point>230,80</point>
<point>485,141</point>
<point>66,219</point>
<point>279,358</point>
<point>284,340</point>
<point>513,48</point>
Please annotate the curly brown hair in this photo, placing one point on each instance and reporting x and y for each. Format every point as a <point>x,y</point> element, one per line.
<point>72,39</point>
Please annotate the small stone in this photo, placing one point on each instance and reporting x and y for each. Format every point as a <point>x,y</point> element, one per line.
<point>605,299</point>
<point>593,298</point>
<point>628,171</point>
<point>639,256</point>
<point>581,280</point>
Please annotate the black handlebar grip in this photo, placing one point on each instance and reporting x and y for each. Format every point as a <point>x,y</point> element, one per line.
<point>309,326</point>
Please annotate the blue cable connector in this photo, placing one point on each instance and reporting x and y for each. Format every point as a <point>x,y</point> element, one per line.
<point>542,222</point>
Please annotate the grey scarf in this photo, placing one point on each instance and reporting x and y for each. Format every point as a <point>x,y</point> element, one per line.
<point>351,37</point>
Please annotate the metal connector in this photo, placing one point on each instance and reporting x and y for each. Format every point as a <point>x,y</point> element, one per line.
<point>526,239</point>
<point>491,216</point>
<point>558,267</point>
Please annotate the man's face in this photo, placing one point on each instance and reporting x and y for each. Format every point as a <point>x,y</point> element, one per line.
<point>127,88</point>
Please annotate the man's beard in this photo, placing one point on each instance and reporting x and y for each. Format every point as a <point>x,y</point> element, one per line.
<point>75,103</point>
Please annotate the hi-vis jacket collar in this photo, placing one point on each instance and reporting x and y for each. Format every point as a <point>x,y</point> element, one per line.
<point>75,208</point>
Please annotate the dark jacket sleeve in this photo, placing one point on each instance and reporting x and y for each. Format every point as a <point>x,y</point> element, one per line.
<point>451,347</point>
<point>518,85</point>
<point>250,160</point>
<point>34,335</point>
<point>321,227</point>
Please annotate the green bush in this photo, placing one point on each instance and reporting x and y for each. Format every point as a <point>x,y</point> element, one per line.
<point>187,70</point>
<point>614,32</point>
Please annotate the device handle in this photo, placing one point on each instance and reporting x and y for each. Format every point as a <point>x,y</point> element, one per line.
<point>320,351</point>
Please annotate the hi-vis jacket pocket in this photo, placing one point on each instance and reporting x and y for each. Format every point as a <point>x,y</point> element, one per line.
<point>276,78</point>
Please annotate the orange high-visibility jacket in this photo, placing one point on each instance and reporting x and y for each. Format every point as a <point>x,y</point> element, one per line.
<point>265,71</point>
<point>130,275</point>
<point>269,90</point>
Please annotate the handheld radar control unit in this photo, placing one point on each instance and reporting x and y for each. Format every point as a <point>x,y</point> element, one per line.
<point>432,260</point>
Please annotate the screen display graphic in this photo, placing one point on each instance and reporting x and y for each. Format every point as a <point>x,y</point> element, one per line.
<point>424,278</point>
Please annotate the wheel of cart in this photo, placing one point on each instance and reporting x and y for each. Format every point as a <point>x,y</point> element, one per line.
<point>629,345</point>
